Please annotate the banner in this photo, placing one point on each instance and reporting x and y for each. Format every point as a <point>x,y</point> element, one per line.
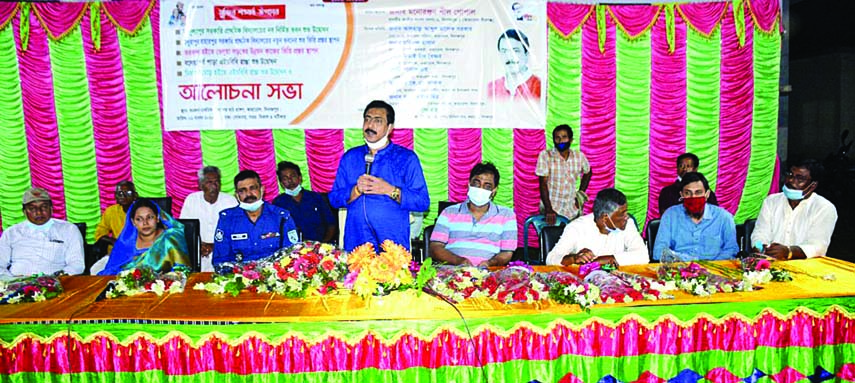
<point>234,64</point>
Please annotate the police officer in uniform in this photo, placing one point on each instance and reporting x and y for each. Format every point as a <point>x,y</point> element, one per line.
<point>253,229</point>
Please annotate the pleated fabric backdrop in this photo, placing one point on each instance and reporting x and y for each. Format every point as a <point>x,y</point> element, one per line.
<point>81,110</point>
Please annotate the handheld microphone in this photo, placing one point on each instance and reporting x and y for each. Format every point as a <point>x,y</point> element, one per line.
<point>369,159</point>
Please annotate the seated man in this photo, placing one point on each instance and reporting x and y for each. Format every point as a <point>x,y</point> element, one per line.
<point>40,244</point>
<point>113,220</point>
<point>310,210</point>
<point>477,231</point>
<point>206,205</point>
<point>601,236</point>
<point>253,229</point>
<point>670,195</point>
<point>696,229</point>
<point>796,223</point>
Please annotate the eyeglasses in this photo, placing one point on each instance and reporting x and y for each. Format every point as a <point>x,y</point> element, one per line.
<point>128,193</point>
<point>799,178</point>
<point>375,120</point>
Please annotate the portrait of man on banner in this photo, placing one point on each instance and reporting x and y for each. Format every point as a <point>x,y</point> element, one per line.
<point>518,83</point>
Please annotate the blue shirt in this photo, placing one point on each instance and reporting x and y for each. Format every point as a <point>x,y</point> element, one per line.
<point>370,214</point>
<point>236,234</point>
<point>312,214</point>
<point>713,238</point>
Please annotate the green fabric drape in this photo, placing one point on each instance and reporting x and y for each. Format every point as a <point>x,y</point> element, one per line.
<point>353,138</point>
<point>76,138</point>
<point>764,132</point>
<point>219,148</point>
<point>703,79</point>
<point>632,127</point>
<point>290,145</point>
<point>496,144</point>
<point>144,132</point>
<point>14,168</point>
<point>564,103</point>
<point>433,144</point>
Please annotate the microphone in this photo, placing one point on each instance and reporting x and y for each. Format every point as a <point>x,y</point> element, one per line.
<point>369,159</point>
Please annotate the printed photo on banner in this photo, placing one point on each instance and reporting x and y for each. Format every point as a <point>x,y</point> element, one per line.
<point>241,64</point>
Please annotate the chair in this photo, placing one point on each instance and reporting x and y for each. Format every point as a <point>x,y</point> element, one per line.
<point>740,235</point>
<point>89,256</point>
<point>191,235</point>
<point>652,230</point>
<point>749,229</point>
<point>548,238</point>
<point>539,222</point>
<point>428,233</point>
<point>165,203</point>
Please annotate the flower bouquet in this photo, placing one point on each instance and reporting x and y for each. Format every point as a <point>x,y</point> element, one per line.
<point>459,283</point>
<point>516,284</point>
<point>144,280</point>
<point>293,272</point>
<point>695,279</point>
<point>35,288</point>
<point>371,273</point>
<point>567,288</point>
<point>756,271</point>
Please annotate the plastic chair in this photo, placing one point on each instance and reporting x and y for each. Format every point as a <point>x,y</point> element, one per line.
<point>165,203</point>
<point>428,233</point>
<point>539,222</point>
<point>746,244</point>
<point>652,230</point>
<point>549,236</point>
<point>194,242</point>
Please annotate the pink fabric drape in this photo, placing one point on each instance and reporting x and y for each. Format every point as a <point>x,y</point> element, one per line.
<point>567,17</point>
<point>403,137</point>
<point>59,18</point>
<point>182,150</point>
<point>667,109</point>
<point>7,12</point>
<point>40,114</point>
<point>324,148</point>
<point>109,110</point>
<point>703,17</point>
<point>528,143</point>
<point>765,14</point>
<point>129,15</point>
<point>255,152</point>
<point>597,136</point>
<point>775,187</point>
<point>634,19</point>
<point>737,95</point>
<point>464,151</point>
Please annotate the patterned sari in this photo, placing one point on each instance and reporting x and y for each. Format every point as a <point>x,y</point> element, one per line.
<point>167,251</point>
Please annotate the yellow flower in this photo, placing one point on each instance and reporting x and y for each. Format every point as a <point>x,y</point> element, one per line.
<point>364,285</point>
<point>381,270</point>
<point>360,256</point>
<point>285,261</point>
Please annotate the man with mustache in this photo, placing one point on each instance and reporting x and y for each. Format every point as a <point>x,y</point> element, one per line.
<point>519,82</point>
<point>696,229</point>
<point>796,223</point>
<point>254,229</point>
<point>379,183</point>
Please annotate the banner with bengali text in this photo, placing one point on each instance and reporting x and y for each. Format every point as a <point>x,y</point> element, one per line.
<point>234,64</point>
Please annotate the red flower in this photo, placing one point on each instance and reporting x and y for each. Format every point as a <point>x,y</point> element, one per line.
<point>137,274</point>
<point>519,295</point>
<point>253,288</point>
<point>148,285</point>
<point>328,265</point>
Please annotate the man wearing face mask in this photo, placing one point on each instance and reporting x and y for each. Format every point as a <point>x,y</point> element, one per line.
<point>695,229</point>
<point>206,205</point>
<point>796,223</point>
<point>476,232</point>
<point>310,210</point>
<point>41,244</point>
<point>253,229</point>
<point>601,236</point>
<point>557,171</point>
<point>672,194</point>
<point>379,183</point>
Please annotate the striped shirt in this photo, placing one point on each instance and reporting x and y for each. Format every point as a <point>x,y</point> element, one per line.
<point>480,240</point>
<point>562,176</point>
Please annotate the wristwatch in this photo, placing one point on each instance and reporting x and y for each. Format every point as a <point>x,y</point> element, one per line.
<point>789,253</point>
<point>395,194</point>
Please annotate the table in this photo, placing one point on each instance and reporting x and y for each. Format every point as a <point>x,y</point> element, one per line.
<point>783,333</point>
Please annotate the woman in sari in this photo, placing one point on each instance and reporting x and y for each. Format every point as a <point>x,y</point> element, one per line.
<point>151,237</point>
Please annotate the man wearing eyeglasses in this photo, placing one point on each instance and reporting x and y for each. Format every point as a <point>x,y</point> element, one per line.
<point>796,223</point>
<point>695,229</point>
<point>379,183</point>
<point>113,219</point>
<point>41,244</point>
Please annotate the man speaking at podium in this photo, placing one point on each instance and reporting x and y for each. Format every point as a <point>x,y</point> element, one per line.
<point>379,183</point>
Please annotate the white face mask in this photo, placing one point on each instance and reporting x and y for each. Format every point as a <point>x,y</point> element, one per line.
<point>478,196</point>
<point>293,192</point>
<point>253,206</point>
<point>43,227</point>
<point>614,230</point>
<point>380,143</point>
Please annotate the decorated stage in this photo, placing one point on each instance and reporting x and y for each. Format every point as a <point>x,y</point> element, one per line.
<point>787,332</point>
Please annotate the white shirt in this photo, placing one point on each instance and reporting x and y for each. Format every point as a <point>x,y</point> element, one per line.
<point>626,245</point>
<point>25,250</point>
<point>808,226</point>
<point>196,207</point>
